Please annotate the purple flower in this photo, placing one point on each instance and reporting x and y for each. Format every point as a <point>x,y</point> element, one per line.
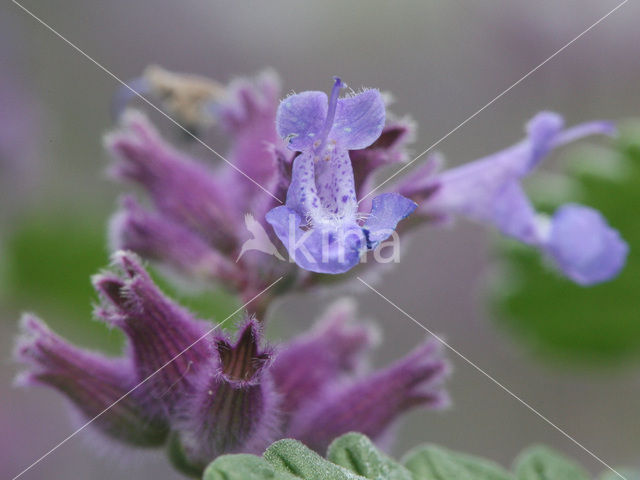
<point>333,349</point>
<point>234,408</point>
<point>159,332</point>
<point>196,222</point>
<point>583,246</point>
<point>371,404</point>
<point>92,383</point>
<point>202,395</point>
<point>159,238</point>
<point>319,223</point>
<point>196,229</point>
<point>389,148</point>
<point>489,190</point>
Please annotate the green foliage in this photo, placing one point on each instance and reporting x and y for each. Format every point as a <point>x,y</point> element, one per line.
<point>552,314</point>
<point>541,463</point>
<point>292,457</point>
<point>627,474</point>
<point>430,462</point>
<point>47,264</point>
<point>357,453</point>
<point>49,259</point>
<point>354,457</point>
<point>244,467</point>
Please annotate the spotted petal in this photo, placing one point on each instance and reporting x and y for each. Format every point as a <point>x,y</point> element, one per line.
<point>322,189</point>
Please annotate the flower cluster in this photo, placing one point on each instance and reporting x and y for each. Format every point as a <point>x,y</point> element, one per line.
<point>323,153</point>
<point>223,223</point>
<point>299,173</point>
<point>197,224</point>
<point>202,393</point>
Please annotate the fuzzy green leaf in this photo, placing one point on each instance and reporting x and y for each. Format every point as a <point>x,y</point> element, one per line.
<point>430,462</point>
<point>357,453</point>
<point>243,467</point>
<point>292,457</point>
<point>354,457</point>
<point>542,463</point>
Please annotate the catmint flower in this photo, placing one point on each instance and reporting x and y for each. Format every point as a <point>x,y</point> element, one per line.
<point>203,217</point>
<point>200,394</point>
<point>319,224</point>
<point>159,331</point>
<point>159,238</point>
<point>371,404</point>
<point>234,407</point>
<point>334,348</point>
<point>198,221</point>
<point>92,383</point>
<point>576,238</point>
<point>181,189</point>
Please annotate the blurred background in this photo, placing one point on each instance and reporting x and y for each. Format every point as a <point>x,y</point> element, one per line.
<point>571,353</point>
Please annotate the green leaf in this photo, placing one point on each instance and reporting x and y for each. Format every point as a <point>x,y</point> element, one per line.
<point>430,462</point>
<point>243,467</point>
<point>354,457</point>
<point>551,314</point>
<point>542,463</point>
<point>622,474</point>
<point>357,453</point>
<point>294,458</point>
<point>48,261</point>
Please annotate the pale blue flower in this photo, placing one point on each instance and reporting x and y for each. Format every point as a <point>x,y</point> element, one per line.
<point>320,224</point>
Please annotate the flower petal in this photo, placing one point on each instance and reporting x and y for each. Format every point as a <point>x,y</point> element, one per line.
<point>371,404</point>
<point>359,120</point>
<point>320,249</point>
<point>387,210</point>
<point>389,148</point>
<point>94,383</point>
<point>514,215</point>
<point>301,117</point>
<point>166,343</point>
<point>247,115</point>
<point>484,189</point>
<point>181,187</point>
<point>598,127</point>
<point>541,132</point>
<point>310,362</point>
<point>322,190</point>
<point>233,406</point>
<point>584,246</point>
<point>159,238</point>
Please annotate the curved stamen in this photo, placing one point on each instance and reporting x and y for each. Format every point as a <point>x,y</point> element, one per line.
<point>331,112</point>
